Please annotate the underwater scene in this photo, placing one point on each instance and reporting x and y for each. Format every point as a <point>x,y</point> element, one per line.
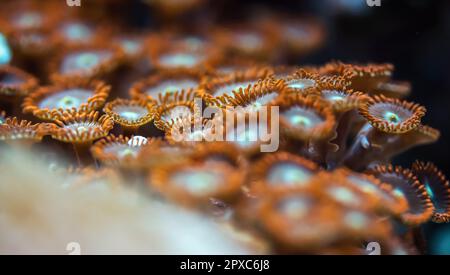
<point>187,127</point>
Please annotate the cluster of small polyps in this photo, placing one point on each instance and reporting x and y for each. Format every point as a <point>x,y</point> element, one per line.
<point>329,188</point>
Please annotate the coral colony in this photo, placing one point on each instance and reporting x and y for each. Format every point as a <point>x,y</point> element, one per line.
<point>105,97</point>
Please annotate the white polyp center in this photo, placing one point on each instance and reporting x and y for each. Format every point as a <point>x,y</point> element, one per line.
<point>130,113</point>
<point>28,20</point>
<point>127,152</point>
<point>180,60</point>
<point>302,84</point>
<point>356,220</point>
<point>287,173</point>
<point>295,208</point>
<point>199,181</point>
<point>84,61</point>
<point>333,95</point>
<point>82,129</point>
<point>302,118</point>
<point>344,195</point>
<point>130,46</point>
<point>390,113</point>
<point>122,150</point>
<point>76,31</point>
<point>67,99</point>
